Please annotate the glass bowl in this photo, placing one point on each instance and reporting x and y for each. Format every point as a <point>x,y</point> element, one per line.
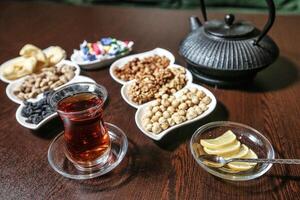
<point>61,164</point>
<point>246,135</point>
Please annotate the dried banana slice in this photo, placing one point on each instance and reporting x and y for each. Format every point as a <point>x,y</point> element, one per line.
<point>55,54</point>
<point>19,67</point>
<point>30,50</point>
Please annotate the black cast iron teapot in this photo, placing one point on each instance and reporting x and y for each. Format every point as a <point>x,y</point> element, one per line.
<point>225,52</point>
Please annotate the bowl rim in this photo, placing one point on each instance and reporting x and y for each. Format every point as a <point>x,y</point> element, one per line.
<point>225,176</point>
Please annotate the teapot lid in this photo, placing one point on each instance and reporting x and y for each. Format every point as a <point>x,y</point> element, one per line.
<point>227,28</point>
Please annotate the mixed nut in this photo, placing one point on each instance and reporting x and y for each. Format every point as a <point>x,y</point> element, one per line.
<point>170,110</point>
<point>161,81</point>
<point>49,78</point>
<point>140,67</point>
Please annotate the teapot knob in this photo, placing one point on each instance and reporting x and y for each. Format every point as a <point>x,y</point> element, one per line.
<point>229,19</point>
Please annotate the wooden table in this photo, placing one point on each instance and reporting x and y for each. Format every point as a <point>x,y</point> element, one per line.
<point>151,170</point>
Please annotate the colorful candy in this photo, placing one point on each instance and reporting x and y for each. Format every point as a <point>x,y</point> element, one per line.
<point>96,49</point>
<point>106,48</point>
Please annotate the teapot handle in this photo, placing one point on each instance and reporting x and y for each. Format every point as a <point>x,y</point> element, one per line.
<point>268,25</point>
<point>203,10</point>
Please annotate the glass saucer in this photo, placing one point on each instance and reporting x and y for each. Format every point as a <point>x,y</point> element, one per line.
<point>60,163</point>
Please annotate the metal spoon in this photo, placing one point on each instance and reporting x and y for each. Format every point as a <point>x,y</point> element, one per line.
<point>219,161</point>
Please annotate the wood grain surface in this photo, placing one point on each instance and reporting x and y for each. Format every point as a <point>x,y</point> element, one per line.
<point>150,170</point>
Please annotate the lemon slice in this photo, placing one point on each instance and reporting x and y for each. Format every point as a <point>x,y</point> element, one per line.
<point>243,166</point>
<point>242,152</point>
<point>229,149</point>
<point>227,138</point>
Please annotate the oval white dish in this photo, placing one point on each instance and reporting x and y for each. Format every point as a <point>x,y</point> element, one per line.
<point>96,64</point>
<point>121,62</point>
<point>126,86</point>
<point>139,113</point>
<point>12,85</point>
<point>11,60</point>
<point>22,120</point>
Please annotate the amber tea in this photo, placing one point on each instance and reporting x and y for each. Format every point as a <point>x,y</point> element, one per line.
<point>85,135</point>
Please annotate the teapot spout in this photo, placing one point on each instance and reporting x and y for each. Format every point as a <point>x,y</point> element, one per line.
<point>194,23</point>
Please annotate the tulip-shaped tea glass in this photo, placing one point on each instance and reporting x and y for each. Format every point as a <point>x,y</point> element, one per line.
<point>86,138</point>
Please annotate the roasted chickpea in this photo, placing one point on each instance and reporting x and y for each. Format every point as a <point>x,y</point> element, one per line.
<point>164,125</point>
<point>158,114</point>
<point>181,112</point>
<point>165,102</point>
<point>148,113</point>
<point>165,96</point>
<point>166,114</point>
<point>206,100</point>
<point>202,106</point>
<point>195,100</point>
<point>161,120</point>
<point>155,109</point>
<point>171,110</point>
<point>154,118</point>
<point>146,120</point>
<point>175,103</point>
<point>198,110</point>
<point>200,94</point>
<point>171,121</point>
<point>193,90</point>
<point>183,106</point>
<point>156,128</point>
<point>148,127</point>
<point>162,108</point>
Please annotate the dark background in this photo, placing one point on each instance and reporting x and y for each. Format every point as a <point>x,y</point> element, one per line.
<point>283,6</point>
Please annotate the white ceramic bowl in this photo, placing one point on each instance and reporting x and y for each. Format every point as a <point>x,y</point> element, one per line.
<point>126,86</point>
<point>14,84</point>
<point>22,120</point>
<point>121,62</point>
<point>141,110</point>
<point>12,60</point>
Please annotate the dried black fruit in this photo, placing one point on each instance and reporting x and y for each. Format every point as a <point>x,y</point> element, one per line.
<point>35,112</point>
